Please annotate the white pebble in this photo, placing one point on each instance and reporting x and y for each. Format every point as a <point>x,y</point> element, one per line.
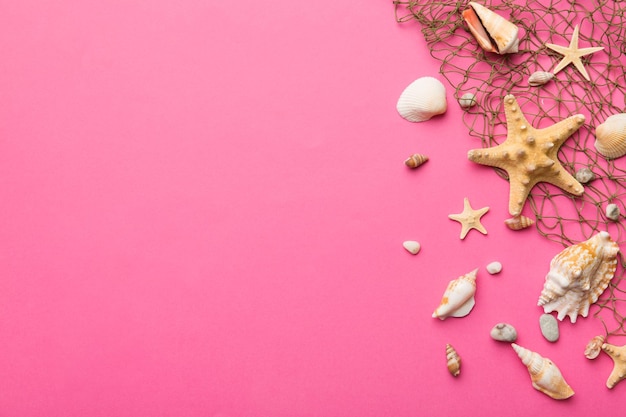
<point>467,100</point>
<point>504,332</point>
<point>549,327</point>
<point>494,267</point>
<point>412,246</point>
<point>612,211</point>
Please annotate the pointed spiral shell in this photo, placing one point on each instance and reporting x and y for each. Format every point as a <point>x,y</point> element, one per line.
<point>415,160</point>
<point>519,222</point>
<point>453,360</point>
<point>539,78</point>
<point>544,374</point>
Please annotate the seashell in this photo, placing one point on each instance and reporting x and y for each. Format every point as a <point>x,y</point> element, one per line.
<point>545,375</point>
<point>494,267</point>
<point>549,327</point>
<point>585,175</point>
<point>458,299</point>
<point>453,359</point>
<point>578,275</point>
<point>467,100</point>
<point>592,350</point>
<point>493,32</point>
<point>539,78</point>
<point>519,222</point>
<point>412,246</point>
<point>612,211</point>
<point>422,99</point>
<point>611,137</point>
<point>504,332</point>
<point>415,160</point>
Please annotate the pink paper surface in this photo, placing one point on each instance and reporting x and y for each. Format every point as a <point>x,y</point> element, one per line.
<point>203,208</point>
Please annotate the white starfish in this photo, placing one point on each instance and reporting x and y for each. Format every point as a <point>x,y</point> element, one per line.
<point>572,54</point>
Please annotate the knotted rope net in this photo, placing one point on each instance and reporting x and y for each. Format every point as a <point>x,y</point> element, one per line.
<point>559,216</point>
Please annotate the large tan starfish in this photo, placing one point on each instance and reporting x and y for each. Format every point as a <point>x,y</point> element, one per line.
<point>529,155</point>
<point>618,354</point>
<point>572,54</point>
<point>470,218</point>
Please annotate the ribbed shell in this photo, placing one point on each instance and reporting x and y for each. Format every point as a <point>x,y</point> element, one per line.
<point>593,348</point>
<point>453,360</point>
<point>544,374</point>
<point>539,78</point>
<point>458,299</point>
<point>493,32</point>
<point>416,160</point>
<point>611,137</point>
<point>422,99</point>
<point>519,222</point>
<point>578,275</point>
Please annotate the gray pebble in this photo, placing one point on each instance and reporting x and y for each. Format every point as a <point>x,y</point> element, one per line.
<point>549,327</point>
<point>612,211</point>
<point>504,332</point>
<point>585,175</point>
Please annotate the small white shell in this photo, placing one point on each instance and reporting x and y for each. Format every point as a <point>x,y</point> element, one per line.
<point>593,348</point>
<point>539,78</point>
<point>467,100</point>
<point>611,137</point>
<point>422,99</point>
<point>458,299</point>
<point>412,246</point>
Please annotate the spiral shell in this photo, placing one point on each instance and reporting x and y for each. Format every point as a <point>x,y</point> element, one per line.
<point>611,137</point>
<point>415,160</point>
<point>422,99</point>
<point>458,299</point>
<point>593,348</point>
<point>493,32</point>
<point>519,222</point>
<point>453,359</point>
<point>539,78</point>
<point>544,374</point>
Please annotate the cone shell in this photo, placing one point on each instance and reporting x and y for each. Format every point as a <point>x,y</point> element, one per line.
<point>454,360</point>
<point>493,32</point>
<point>422,99</point>
<point>458,299</point>
<point>415,160</point>
<point>544,374</point>
<point>592,350</point>
<point>519,222</point>
<point>611,137</point>
<point>578,276</point>
<point>539,78</point>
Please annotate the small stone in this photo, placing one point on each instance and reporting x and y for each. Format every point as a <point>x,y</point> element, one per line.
<point>549,327</point>
<point>612,212</point>
<point>494,267</point>
<point>504,332</point>
<point>585,175</point>
<point>412,246</point>
<point>467,100</point>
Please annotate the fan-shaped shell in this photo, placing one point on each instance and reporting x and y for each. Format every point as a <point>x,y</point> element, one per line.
<point>458,299</point>
<point>415,160</point>
<point>493,32</point>
<point>593,348</point>
<point>539,78</point>
<point>544,374</point>
<point>578,275</point>
<point>422,99</point>
<point>519,222</point>
<point>611,137</point>
<point>453,359</point>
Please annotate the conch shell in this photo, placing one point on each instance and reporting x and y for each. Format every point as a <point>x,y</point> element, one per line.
<point>519,222</point>
<point>493,32</point>
<point>458,299</point>
<point>422,99</point>
<point>578,276</point>
<point>545,375</point>
<point>611,137</point>
<point>453,359</point>
<point>592,350</point>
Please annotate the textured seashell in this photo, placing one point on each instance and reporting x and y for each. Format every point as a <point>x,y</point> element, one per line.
<point>493,32</point>
<point>458,299</point>
<point>412,246</point>
<point>593,348</point>
<point>519,222</point>
<point>545,375</point>
<point>578,275</point>
<point>494,267</point>
<point>612,211</point>
<point>539,78</point>
<point>611,137</point>
<point>422,99</point>
<point>585,175</point>
<point>416,160</point>
<point>504,332</point>
<point>467,100</point>
<point>454,360</point>
<point>549,327</point>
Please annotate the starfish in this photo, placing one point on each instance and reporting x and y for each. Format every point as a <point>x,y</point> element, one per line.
<point>618,354</point>
<point>470,218</point>
<point>572,54</point>
<point>529,155</point>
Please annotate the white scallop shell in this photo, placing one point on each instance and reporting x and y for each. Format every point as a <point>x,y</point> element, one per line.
<point>611,136</point>
<point>422,99</point>
<point>578,276</point>
<point>493,32</point>
<point>544,374</point>
<point>539,78</point>
<point>458,299</point>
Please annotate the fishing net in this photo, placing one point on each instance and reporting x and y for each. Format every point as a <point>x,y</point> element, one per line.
<point>559,216</point>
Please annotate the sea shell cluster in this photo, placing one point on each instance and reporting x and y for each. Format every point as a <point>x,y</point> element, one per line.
<point>578,276</point>
<point>422,99</point>
<point>493,32</point>
<point>544,374</point>
<point>458,298</point>
<point>611,137</point>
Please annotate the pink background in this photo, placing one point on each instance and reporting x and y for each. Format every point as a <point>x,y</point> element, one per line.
<point>203,208</point>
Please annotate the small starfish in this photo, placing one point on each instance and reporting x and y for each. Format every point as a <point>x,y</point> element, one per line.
<point>572,54</point>
<point>470,218</point>
<point>529,155</point>
<point>618,354</point>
